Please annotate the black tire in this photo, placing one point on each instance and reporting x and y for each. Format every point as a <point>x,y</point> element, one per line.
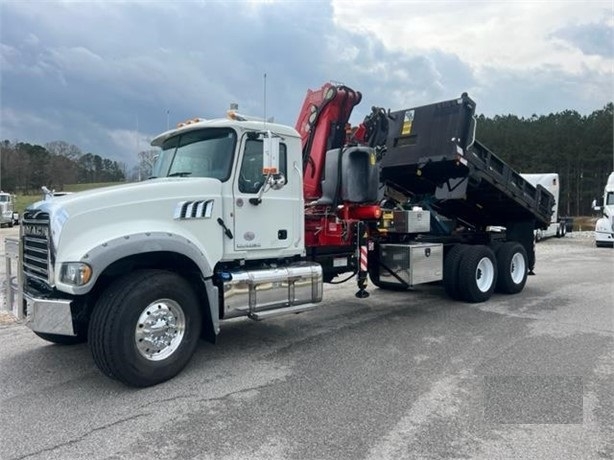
<point>512,268</point>
<point>62,339</point>
<point>450,270</point>
<point>477,274</point>
<point>120,318</point>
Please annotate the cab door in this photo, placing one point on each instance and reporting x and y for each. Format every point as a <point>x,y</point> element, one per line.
<point>264,218</point>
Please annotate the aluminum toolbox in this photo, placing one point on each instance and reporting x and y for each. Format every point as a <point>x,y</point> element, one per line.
<point>411,221</point>
<point>413,263</point>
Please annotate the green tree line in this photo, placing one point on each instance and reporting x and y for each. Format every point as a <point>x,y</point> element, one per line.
<point>580,148</point>
<point>25,168</point>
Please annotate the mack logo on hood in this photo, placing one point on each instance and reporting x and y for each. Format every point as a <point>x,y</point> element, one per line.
<point>41,231</point>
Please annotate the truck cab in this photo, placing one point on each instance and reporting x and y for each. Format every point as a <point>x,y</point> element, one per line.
<point>8,216</point>
<point>216,232</point>
<point>551,182</point>
<point>264,214</point>
<point>604,227</point>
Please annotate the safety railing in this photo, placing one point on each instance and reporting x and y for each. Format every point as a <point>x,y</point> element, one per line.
<point>13,301</point>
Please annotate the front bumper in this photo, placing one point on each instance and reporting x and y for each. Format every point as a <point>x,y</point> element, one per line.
<point>49,316</point>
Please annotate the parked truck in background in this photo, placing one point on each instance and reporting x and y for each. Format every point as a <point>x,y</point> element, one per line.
<point>8,216</point>
<point>245,218</point>
<point>604,227</point>
<point>558,224</point>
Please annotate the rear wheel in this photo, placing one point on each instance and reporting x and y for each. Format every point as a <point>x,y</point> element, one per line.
<point>477,275</point>
<point>450,270</point>
<point>145,328</point>
<point>512,268</point>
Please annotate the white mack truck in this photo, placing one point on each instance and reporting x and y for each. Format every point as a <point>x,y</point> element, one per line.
<point>8,216</point>
<point>244,218</point>
<point>604,227</point>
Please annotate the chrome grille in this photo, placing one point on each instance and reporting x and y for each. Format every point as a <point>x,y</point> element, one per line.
<point>36,257</point>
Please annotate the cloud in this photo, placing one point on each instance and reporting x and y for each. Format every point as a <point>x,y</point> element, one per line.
<point>594,39</point>
<point>510,35</point>
<point>103,74</point>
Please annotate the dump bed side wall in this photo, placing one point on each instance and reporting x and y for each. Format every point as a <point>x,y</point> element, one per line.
<point>431,151</point>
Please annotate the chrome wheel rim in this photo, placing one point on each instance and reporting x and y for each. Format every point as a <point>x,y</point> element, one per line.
<point>484,274</point>
<point>517,268</point>
<point>160,329</point>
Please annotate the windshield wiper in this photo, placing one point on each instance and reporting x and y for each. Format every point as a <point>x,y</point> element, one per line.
<point>180,174</point>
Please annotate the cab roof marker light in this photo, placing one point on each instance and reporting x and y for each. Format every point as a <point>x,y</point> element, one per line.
<point>234,115</point>
<point>190,122</point>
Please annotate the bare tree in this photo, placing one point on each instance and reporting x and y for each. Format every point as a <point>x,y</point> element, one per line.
<point>64,149</point>
<point>147,159</point>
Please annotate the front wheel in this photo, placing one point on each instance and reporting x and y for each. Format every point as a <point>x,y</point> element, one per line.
<point>477,275</point>
<point>145,328</point>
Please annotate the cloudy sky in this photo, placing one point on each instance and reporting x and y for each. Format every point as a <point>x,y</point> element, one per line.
<point>108,76</point>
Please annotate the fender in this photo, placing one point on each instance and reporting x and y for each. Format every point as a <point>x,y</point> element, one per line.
<point>104,254</point>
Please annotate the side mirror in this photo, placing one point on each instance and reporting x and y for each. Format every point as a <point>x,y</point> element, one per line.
<point>276,181</point>
<point>270,162</point>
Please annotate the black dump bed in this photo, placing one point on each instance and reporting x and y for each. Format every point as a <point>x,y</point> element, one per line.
<point>431,153</point>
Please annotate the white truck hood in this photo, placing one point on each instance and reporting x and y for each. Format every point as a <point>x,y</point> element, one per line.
<point>181,209</point>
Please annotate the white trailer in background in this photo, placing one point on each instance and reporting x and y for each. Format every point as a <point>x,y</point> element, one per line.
<point>550,181</point>
<point>604,227</point>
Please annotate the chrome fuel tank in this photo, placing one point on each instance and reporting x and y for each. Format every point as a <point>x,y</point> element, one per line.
<point>251,291</point>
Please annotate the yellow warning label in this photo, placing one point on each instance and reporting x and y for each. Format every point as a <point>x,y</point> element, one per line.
<point>407,122</point>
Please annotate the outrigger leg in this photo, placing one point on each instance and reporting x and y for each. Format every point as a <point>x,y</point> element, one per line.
<point>362,265</point>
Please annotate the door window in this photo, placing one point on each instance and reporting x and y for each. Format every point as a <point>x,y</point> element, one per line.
<point>251,178</point>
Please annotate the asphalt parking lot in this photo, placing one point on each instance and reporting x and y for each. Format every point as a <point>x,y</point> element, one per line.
<point>397,375</point>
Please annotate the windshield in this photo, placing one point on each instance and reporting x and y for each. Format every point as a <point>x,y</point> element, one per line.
<point>609,199</point>
<point>202,153</point>
<point>5,198</point>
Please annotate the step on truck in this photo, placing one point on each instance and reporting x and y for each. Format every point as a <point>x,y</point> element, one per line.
<point>246,218</point>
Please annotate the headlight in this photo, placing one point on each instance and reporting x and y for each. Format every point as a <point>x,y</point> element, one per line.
<point>75,273</point>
